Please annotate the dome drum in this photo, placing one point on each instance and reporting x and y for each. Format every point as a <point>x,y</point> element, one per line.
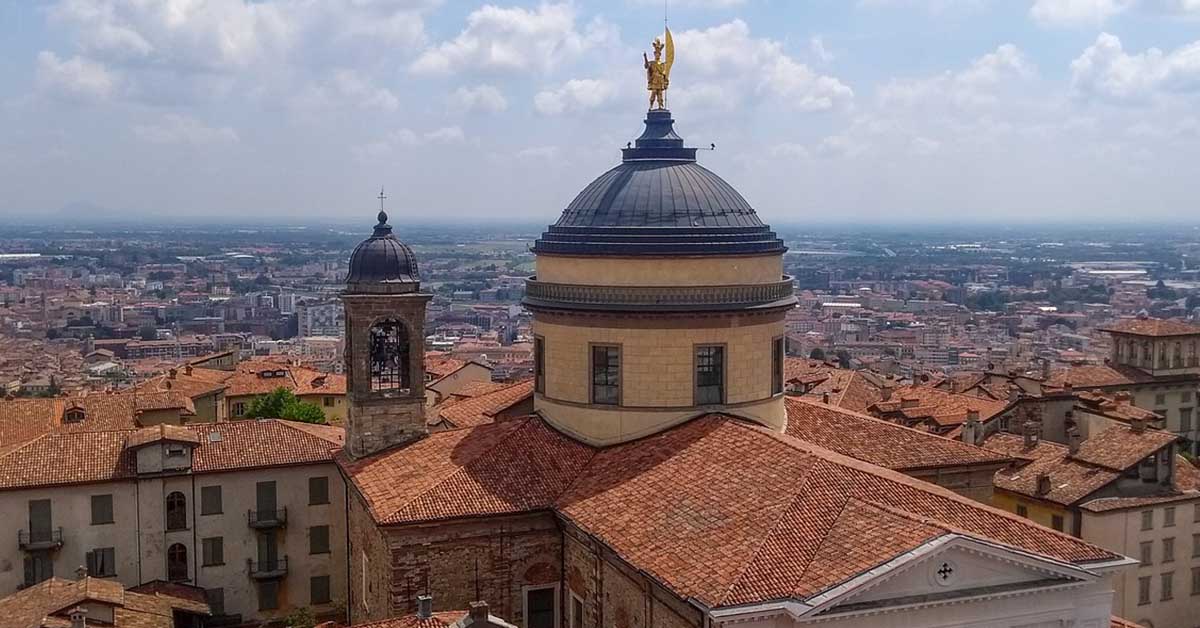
<point>665,299</point>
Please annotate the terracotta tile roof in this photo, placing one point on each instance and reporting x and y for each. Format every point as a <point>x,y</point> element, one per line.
<point>441,364</point>
<point>1098,375</point>
<point>181,596</point>
<point>938,406</point>
<point>1071,480</point>
<point>484,408</point>
<point>1119,622</point>
<point>309,382</point>
<point>880,442</point>
<point>715,509</point>
<point>847,389</point>
<point>196,383</point>
<point>85,457</point>
<point>796,368</point>
<point>1120,409</point>
<point>263,443</point>
<point>74,458</point>
<point>1186,489</point>
<point>163,432</point>
<point>1120,447</point>
<point>437,620</point>
<point>1152,327</point>
<point>46,604</point>
<point>475,389</point>
<point>508,467</point>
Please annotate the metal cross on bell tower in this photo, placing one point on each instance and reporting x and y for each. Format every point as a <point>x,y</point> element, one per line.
<point>382,197</point>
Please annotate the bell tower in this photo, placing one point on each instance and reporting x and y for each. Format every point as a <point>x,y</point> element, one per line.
<point>384,344</point>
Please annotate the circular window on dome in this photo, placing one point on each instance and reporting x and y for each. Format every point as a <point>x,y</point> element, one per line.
<point>389,357</point>
<point>943,572</point>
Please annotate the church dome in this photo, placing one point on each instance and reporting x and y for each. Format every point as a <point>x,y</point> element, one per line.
<point>659,201</point>
<point>382,261</point>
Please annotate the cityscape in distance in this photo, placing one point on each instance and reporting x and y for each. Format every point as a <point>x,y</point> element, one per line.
<point>418,314</point>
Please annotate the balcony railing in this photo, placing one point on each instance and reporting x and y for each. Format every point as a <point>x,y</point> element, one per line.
<point>267,518</point>
<point>40,540</point>
<point>662,298</point>
<point>268,569</point>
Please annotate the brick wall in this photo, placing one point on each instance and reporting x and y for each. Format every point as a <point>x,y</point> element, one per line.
<point>367,552</point>
<point>511,553</point>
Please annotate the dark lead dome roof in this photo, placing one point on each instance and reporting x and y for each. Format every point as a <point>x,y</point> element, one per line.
<point>382,263</point>
<point>659,201</point>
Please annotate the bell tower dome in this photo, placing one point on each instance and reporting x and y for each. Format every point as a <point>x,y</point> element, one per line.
<point>384,344</point>
<point>659,296</point>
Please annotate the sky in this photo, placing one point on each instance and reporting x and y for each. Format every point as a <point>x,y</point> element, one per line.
<point>822,111</point>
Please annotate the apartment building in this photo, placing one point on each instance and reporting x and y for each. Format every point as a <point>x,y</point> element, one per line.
<point>250,511</point>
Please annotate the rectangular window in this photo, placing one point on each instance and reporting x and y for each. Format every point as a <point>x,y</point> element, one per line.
<point>606,375</point>
<point>1185,419</point>
<point>1147,552</point>
<point>213,551</point>
<point>1168,550</point>
<point>1160,399</point>
<point>1195,580</point>
<point>539,365</point>
<point>318,540</point>
<point>268,595</point>
<point>101,562</point>
<point>1169,517</point>
<point>710,375</point>
<point>328,401</point>
<point>102,509</point>
<point>1168,587</point>
<point>210,500</point>
<point>1185,396</point>
<point>1196,546</point>
<point>239,409</point>
<point>1056,521</point>
<point>318,490</point>
<point>576,612</point>
<point>318,590</point>
<point>777,366</point>
<point>1147,519</point>
<point>38,567</point>
<point>216,600</point>
<point>1196,513</point>
<point>1022,511</point>
<point>540,607</point>
<point>176,451</point>
<point>1143,590</point>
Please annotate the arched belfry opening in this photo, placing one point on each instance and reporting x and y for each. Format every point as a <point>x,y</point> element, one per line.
<point>384,345</point>
<point>390,357</point>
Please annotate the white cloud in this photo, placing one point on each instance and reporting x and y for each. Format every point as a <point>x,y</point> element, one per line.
<point>400,138</point>
<point>574,95</point>
<point>76,78</point>
<point>1075,12</point>
<point>514,39</point>
<point>817,46</point>
<point>697,4</point>
<point>538,153</point>
<point>479,98</point>
<point>976,85</point>
<point>345,88</point>
<point>175,128</point>
<point>1104,69</point>
<point>727,59</point>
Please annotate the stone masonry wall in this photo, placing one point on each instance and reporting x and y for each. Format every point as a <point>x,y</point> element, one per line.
<point>369,591</point>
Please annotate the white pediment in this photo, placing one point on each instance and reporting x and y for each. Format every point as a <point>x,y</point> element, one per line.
<point>949,567</point>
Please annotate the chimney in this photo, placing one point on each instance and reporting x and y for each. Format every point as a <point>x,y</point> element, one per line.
<point>171,373</point>
<point>970,431</point>
<point>78,617</point>
<point>187,370</point>
<point>1043,483</point>
<point>80,572</point>
<point>479,611</point>
<point>1068,387</point>
<point>1074,440</point>
<point>1137,425</point>
<point>825,397</point>
<point>424,606</point>
<point>1029,430</point>
<point>1123,397</point>
<point>953,385</point>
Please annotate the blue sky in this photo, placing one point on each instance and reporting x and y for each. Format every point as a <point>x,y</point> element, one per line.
<point>888,111</point>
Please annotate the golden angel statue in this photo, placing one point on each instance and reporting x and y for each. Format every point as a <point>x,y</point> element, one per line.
<point>658,71</point>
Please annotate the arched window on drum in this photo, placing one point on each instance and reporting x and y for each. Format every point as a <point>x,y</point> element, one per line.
<point>389,362</point>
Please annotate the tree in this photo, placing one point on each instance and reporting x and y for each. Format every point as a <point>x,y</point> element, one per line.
<point>302,617</point>
<point>816,354</point>
<point>147,332</point>
<point>282,404</point>
<point>843,357</point>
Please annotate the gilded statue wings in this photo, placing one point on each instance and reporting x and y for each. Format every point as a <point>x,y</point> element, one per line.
<point>670,54</point>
